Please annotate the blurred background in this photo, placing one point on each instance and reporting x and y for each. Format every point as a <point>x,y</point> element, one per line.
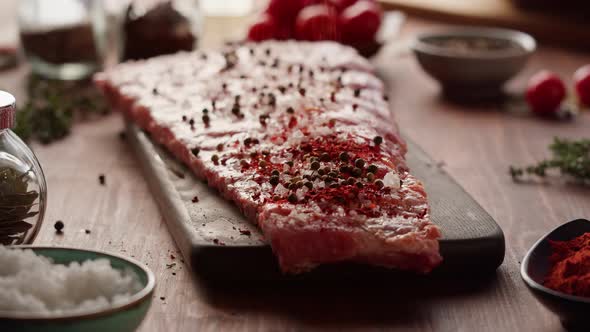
<point>62,43</point>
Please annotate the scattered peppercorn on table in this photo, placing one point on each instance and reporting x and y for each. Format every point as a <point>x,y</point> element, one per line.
<point>96,188</point>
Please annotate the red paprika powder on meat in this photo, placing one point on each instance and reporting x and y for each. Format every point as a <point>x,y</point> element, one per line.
<point>570,270</point>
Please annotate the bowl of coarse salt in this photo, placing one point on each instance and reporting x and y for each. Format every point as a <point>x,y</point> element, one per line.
<point>66,289</point>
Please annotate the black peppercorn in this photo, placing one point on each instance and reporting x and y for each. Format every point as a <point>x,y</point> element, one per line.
<point>292,198</point>
<point>344,156</point>
<point>315,165</point>
<point>379,184</point>
<point>275,173</point>
<point>372,169</point>
<point>359,162</point>
<point>215,159</point>
<point>195,151</point>
<point>59,226</point>
<point>378,140</point>
<point>356,172</point>
<point>325,157</point>
<point>274,180</point>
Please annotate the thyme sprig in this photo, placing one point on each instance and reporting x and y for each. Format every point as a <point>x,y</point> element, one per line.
<point>52,105</point>
<point>569,157</point>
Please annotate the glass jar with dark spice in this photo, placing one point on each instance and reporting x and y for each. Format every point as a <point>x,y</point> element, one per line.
<point>153,28</point>
<point>63,39</point>
<point>22,183</point>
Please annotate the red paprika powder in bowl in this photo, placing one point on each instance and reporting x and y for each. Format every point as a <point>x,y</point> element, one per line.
<point>570,272</point>
<point>557,271</point>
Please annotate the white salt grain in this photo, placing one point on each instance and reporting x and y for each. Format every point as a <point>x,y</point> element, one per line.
<point>34,284</point>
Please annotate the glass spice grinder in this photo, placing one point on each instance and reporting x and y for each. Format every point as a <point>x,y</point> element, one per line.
<point>23,191</point>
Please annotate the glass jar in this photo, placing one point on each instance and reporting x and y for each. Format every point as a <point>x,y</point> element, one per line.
<point>23,192</point>
<point>63,39</point>
<point>157,27</point>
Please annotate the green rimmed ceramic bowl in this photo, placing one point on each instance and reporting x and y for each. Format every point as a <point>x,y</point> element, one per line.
<point>123,317</point>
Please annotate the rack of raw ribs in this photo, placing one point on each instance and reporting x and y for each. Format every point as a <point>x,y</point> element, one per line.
<point>300,136</point>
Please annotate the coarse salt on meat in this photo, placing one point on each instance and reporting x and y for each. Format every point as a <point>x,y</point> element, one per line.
<point>310,151</point>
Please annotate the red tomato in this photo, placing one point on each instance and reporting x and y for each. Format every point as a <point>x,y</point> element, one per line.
<point>341,5</point>
<point>582,82</point>
<point>285,31</point>
<point>285,10</point>
<point>361,21</point>
<point>317,22</point>
<point>545,92</point>
<point>264,28</point>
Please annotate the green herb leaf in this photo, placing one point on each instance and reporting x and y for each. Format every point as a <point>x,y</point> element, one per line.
<point>570,157</point>
<point>52,106</point>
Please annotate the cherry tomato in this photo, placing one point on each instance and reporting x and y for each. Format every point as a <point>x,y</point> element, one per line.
<point>582,83</point>
<point>284,31</point>
<point>361,21</point>
<point>317,22</point>
<point>285,10</point>
<point>264,28</point>
<point>545,92</point>
<point>341,5</point>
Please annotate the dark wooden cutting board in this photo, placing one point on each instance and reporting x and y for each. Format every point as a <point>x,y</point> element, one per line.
<point>212,233</point>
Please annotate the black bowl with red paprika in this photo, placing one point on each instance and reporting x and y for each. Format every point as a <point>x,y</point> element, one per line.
<point>557,271</point>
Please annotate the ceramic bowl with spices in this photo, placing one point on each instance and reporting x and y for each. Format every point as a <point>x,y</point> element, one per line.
<point>557,271</point>
<point>473,63</point>
<point>65,289</point>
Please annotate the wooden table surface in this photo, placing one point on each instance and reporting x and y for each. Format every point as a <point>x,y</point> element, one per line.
<point>476,144</point>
